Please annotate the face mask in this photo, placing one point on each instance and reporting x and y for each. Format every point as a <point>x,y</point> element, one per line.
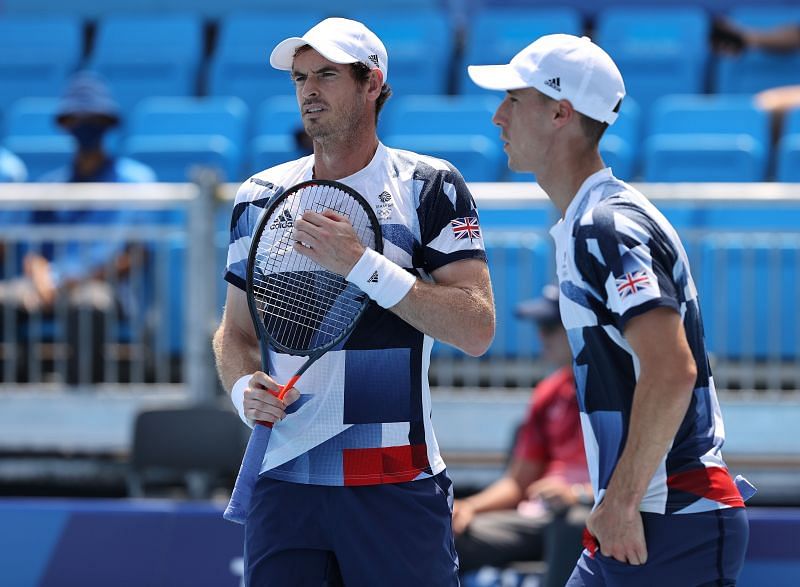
<point>89,135</point>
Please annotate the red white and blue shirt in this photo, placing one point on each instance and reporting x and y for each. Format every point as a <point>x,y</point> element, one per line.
<point>618,257</point>
<point>364,415</point>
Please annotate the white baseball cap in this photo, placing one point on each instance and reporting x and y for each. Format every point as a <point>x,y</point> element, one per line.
<point>340,40</point>
<point>564,67</point>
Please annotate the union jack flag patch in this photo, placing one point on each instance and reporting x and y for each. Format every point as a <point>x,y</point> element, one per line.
<point>466,228</point>
<point>631,283</point>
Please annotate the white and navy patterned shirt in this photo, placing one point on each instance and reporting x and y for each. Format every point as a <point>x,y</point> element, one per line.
<point>618,257</point>
<point>364,415</point>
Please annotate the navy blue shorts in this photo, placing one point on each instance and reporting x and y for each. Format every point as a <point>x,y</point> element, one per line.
<point>311,535</point>
<point>704,549</point>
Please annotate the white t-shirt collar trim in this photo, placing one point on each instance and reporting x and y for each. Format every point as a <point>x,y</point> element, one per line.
<point>586,187</point>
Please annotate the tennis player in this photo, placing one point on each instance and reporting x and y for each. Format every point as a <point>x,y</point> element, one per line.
<point>668,512</point>
<point>352,488</point>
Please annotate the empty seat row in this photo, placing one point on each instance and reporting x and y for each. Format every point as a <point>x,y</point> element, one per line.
<point>686,138</point>
<point>660,50</point>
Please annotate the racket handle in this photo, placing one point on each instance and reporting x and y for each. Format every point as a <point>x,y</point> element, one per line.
<point>239,504</point>
<point>289,384</point>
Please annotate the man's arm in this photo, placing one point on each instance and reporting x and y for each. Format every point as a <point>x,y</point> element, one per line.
<point>237,355</point>
<point>457,309</point>
<point>503,494</point>
<point>667,375</point>
<point>782,39</point>
<point>235,343</point>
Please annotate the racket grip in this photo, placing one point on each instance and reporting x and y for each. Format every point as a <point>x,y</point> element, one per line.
<point>239,504</point>
<point>289,384</point>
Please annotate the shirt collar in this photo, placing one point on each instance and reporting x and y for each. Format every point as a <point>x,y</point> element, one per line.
<point>576,205</point>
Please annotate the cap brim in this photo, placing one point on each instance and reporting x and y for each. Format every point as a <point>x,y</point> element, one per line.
<point>496,77</point>
<point>282,55</point>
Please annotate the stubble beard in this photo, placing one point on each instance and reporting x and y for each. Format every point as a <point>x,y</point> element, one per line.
<point>340,127</point>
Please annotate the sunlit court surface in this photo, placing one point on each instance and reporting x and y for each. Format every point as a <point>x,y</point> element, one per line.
<point>119,446</point>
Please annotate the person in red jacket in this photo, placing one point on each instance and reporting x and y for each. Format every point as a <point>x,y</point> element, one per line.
<point>537,510</point>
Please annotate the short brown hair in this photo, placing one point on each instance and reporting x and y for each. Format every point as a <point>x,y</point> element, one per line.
<point>361,74</point>
<point>593,129</point>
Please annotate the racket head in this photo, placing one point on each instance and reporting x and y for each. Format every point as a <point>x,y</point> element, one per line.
<point>298,307</point>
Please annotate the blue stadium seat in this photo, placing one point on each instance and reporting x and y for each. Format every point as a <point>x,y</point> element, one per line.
<point>32,134</point>
<point>273,133</point>
<point>419,45</point>
<point>619,146</point>
<point>475,156</point>
<point>495,36</point>
<point>707,138</point>
<point>788,164</point>
<point>240,64</point>
<point>173,134</point>
<point>442,115</point>
<point>456,128</point>
<point>756,70</point>
<point>752,277</point>
<point>658,50</point>
<point>143,56</point>
<point>37,54</point>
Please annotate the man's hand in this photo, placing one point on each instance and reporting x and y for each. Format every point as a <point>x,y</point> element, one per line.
<point>328,239</point>
<point>261,402</point>
<point>553,491</point>
<point>463,513</point>
<point>619,531</point>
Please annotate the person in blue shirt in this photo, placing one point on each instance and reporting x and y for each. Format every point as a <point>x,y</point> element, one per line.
<point>88,112</point>
<point>74,286</point>
<point>12,169</point>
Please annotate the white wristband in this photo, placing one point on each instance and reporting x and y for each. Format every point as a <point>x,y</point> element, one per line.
<point>384,281</point>
<point>237,397</point>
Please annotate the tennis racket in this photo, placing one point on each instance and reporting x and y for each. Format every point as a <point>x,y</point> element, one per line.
<point>298,307</point>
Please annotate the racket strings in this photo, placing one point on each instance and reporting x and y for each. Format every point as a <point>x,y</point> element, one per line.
<point>275,292</point>
<point>303,305</point>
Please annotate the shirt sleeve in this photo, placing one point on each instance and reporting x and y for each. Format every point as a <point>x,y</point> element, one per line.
<point>531,444</point>
<point>449,223</point>
<point>627,261</point>
<point>251,199</point>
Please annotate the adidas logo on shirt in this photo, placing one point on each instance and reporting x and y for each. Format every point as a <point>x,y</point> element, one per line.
<point>373,278</point>
<point>554,83</point>
<point>284,220</point>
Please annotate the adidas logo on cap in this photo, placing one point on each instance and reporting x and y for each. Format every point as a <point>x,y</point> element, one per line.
<point>374,59</point>
<point>284,220</point>
<point>554,83</point>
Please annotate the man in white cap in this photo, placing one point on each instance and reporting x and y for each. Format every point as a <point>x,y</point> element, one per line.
<point>352,487</point>
<point>668,512</point>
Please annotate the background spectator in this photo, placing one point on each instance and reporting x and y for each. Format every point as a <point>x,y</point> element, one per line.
<point>75,285</point>
<point>537,510</point>
<point>729,38</point>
